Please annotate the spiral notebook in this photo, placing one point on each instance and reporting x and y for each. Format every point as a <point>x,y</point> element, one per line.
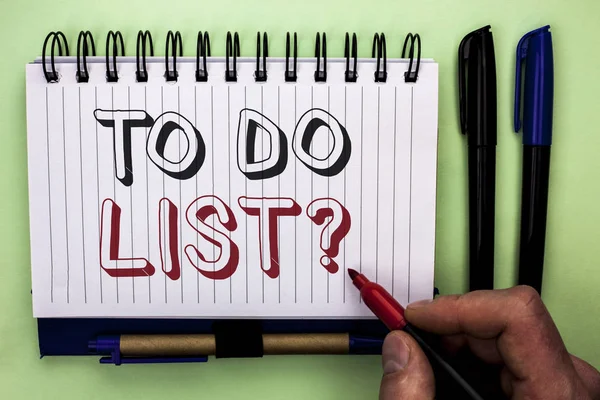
<point>229,187</point>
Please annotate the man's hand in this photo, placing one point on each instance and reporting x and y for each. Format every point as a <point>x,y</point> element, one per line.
<point>510,327</point>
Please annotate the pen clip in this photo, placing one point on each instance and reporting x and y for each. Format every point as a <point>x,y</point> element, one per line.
<point>463,57</point>
<point>522,49</point>
<point>110,345</point>
<point>521,55</point>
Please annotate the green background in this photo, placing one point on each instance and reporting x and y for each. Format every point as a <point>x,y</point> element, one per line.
<point>571,275</point>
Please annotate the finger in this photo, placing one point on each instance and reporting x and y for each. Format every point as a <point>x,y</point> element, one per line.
<point>454,343</point>
<point>482,314</point>
<point>406,370</point>
<point>527,339</point>
<point>485,349</point>
<point>589,376</point>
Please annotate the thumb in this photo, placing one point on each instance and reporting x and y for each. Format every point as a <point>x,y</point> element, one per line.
<point>406,370</point>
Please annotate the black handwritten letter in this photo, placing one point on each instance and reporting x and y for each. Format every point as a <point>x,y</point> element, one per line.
<point>275,161</point>
<point>121,122</point>
<point>193,158</point>
<point>338,155</point>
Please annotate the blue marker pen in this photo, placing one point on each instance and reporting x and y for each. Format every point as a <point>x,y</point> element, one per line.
<point>535,51</point>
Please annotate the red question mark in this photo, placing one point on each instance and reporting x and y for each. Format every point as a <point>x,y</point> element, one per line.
<point>319,210</point>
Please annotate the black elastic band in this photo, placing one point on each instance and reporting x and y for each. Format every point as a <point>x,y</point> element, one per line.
<point>173,42</point>
<point>321,75</point>
<point>112,75</point>
<point>231,49</point>
<point>202,50</point>
<point>260,75</point>
<point>290,75</point>
<point>238,338</point>
<point>351,75</point>
<point>141,74</point>
<point>379,51</point>
<point>410,75</point>
<point>52,76</point>
<point>84,40</point>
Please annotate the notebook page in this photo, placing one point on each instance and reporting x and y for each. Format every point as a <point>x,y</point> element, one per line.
<point>229,200</point>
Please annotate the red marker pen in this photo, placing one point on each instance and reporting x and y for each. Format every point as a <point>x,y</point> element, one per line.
<point>391,313</point>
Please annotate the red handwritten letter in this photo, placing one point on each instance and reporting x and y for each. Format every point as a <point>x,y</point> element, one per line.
<point>333,231</point>
<point>110,229</point>
<point>226,263</point>
<point>168,239</point>
<point>270,208</point>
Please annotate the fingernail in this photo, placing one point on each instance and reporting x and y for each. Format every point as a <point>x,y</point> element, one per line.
<point>395,354</point>
<point>419,303</point>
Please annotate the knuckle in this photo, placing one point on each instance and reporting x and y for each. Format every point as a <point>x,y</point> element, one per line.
<point>527,300</point>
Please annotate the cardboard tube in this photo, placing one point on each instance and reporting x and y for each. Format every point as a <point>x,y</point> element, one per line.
<point>167,345</point>
<point>196,345</point>
<point>310,343</point>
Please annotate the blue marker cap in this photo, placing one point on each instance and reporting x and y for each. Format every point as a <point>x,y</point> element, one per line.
<point>535,50</point>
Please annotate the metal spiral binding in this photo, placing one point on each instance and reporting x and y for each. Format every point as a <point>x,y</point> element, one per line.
<point>115,47</point>
<point>351,75</point>
<point>52,76</point>
<point>291,75</point>
<point>379,51</point>
<point>232,49</point>
<point>411,76</point>
<point>173,42</point>
<point>261,75</point>
<point>141,74</point>
<point>202,50</point>
<point>321,75</point>
<point>113,75</point>
<point>83,39</point>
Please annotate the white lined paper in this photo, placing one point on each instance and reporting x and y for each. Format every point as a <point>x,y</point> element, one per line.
<point>388,187</point>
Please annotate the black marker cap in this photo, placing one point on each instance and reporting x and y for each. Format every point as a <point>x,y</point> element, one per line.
<point>477,87</point>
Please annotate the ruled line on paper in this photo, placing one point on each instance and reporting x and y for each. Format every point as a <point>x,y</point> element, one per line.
<point>295,196</point>
<point>147,202</point>
<point>180,208</point>
<point>410,188</point>
<point>131,206</point>
<point>66,197</point>
<point>112,95</point>
<point>328,165</point>
<point>98,191</point>
<point>262,187</point>
<point>246,194</point>
<point>361,180</point>
<point>196,181</point>
<point>212,128</point>
<point>279,196</point>
<point>162,216</point>
<point>394,191</point>
<point>82,207</point>
<point>345,124</point>
<point>49,203</point>
<point>212,133</point>
<point>312,254</point>
<point>229,164</point>
<point>377,182</point>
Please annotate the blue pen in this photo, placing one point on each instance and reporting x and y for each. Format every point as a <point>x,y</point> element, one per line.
<point>535,52</point>
<point>147,349</point>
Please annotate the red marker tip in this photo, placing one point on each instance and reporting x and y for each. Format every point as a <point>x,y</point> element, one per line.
<point>353,273</point>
